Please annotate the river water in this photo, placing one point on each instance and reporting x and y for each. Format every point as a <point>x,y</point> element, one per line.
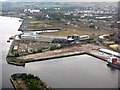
<point>81,71</point>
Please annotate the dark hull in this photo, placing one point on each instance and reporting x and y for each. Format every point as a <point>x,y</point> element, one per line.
<point>114,65</point>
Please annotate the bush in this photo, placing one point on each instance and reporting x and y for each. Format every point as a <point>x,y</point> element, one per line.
<point>37,78</point>
<point>39,50</point>
<point>100,40</point>
<point>34,52</point>
<point>24,76</point>
<point>16,55</point>
<point>53,48</point>
<point>13,77</point>
<point>30,76</point>
<point>10,55</point>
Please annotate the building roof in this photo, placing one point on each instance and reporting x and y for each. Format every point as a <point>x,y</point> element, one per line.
<point>110,51</point>
<point>84,36</point>
<point>75,35</point>
<point>18,73</point>
<point>102,36</point>
<point>108,42</point>
<point>113,46</point>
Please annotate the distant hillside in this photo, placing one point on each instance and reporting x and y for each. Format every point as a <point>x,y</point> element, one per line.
<point>56,4</point>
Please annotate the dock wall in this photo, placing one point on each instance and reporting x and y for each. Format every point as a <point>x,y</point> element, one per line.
<point>57,57</point>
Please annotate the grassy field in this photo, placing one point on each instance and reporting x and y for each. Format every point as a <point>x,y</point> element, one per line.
<point>66,29</point>
<point>71,29</point>
<point>71,32</point>
<point>46,24</point>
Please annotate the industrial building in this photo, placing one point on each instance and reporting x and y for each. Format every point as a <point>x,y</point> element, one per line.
<point>109,52</point>
<point>114,46</point>
<point>78,37</point>
<point>31,37</point>
<point>104,36</point>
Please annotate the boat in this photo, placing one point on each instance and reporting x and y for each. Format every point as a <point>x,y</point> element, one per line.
<point>8,40</point>
<point>20,20</point>
<point>12,37</point>
<point>114,62</point>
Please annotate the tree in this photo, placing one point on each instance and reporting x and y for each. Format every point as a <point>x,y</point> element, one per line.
<point>14,76</point>
<point>39,50</point>
<point>92,26</point>
<point>53,47</point>
<point>30,76</point>
<point>37,78</point>
<point>17,55</point>
<point>24,76</point>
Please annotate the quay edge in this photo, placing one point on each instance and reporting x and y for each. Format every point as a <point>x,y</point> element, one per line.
<point>55,57</point>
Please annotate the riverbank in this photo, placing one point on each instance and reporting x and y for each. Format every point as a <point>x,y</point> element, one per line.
<point>89,49</point>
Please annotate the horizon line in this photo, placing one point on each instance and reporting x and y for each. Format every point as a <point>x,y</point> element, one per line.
<point>60,1</point>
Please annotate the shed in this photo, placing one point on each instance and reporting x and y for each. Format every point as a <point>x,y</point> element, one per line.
<point>108,42</point>
<point>113,46</point>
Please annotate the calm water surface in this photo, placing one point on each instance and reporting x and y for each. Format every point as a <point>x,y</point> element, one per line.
<point>71,72</point>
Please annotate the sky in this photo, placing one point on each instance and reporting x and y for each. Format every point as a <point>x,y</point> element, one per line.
<point>61,0</point>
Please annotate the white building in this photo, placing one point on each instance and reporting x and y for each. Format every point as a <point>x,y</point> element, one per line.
<point>78,37</point>
<point>25,36</point>
<point>17,37</point>
<point>84,37</point>
<point>109,52</point>
<point>103,36</point>
<point>32,10</point>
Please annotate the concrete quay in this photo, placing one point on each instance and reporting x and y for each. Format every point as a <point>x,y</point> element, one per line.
<point>88,49</point>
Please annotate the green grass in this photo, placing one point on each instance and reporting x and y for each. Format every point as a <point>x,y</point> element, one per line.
<point>50,24</point>
<point>68,29</point>
<point>80,31</point>
<point>14,59</point>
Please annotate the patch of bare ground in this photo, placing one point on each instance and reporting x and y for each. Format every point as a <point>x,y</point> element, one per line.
<point>73,49</point>
<point>22,84</point>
